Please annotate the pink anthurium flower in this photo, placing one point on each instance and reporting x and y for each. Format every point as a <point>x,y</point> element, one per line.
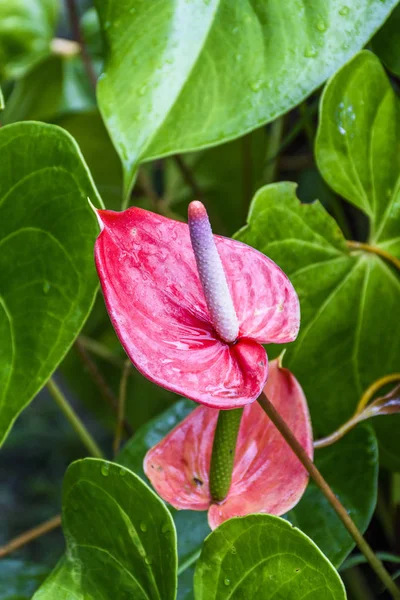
<point>267,476</point>
<point>192,309</point>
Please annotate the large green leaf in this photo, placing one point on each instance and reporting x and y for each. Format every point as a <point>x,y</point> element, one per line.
<point>386,42</point>
<point>26,30</point>
<point>121,540</point>
<point>351,469</point>
<point>191,74</point>
<point>261,557</point>
<point>47,276</point>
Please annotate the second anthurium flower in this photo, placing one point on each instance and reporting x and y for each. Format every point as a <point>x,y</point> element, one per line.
<point>267,477</point>
<point>205,346</point>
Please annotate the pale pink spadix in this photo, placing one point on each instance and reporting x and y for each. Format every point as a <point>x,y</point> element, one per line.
<point>211,274</point>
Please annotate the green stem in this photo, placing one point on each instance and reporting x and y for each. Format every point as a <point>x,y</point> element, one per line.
<point>74,420</point>
<point>338,507</point>
<point>223,452</point>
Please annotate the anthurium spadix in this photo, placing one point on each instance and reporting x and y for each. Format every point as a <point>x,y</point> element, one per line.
<point>192,309</point>
<point>267,477</point>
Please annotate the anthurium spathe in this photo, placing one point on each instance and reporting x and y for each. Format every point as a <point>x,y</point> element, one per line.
<point>267,476</point>
<point>164,315</point>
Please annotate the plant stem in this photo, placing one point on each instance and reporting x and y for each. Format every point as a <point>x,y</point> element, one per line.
<point>30,535</point>
<point>375,250</point>
<point>373,388</point>
<point>100,382</point>
<point>338,507</point>
<point>223,452</point>
<point>121,406</point>
<point>338,434</point>
<point>87,62</point>
<point>74,420</point>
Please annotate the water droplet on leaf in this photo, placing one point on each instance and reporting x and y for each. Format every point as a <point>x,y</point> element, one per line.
<point>310,52</point>
<point>321,26</point>
<point>255,85</point>
<point>143,527</point>
<point>105,469</point>
<point>122,472</point>
<point>344,11</point>
<point>46,287</point>
<point>148,560</point>
<point>227,581</point>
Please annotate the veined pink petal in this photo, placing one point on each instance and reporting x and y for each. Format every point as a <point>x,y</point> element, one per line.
<point>267,476</point>
<point>156,303</point>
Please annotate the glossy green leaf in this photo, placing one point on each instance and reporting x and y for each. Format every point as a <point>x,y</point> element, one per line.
<point>191,74</point>
<point>347,339</point>
<point>1,100</point>
<point>358,145</point>
<point>26,30</point>
<point>20,579</point>
<point>386,42</point>
<point>261,557</point>
<point>47,276</point>
<point>121,540</point>
<point>351,469</point>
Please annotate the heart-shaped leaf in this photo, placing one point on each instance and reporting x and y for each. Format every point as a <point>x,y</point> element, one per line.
<point>264,557</point>
<point>121,540</point>
<point>194,74</point>
<point>26,30</point>
<point>47,275</point>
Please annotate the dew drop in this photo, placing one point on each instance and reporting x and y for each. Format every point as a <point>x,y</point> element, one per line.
<point>143,527</point>
<point>165,529</point>
<point>255,85</point>
<point>105,469</point>
<point>46,287</point>
<point>344,11</point>
<point>142,90</point>
<point>122,472</point>
<point>321,26</point>
<point>227,581</point>
<point>310,52</point>
<point>148,560</point>
<point>233,550</point>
